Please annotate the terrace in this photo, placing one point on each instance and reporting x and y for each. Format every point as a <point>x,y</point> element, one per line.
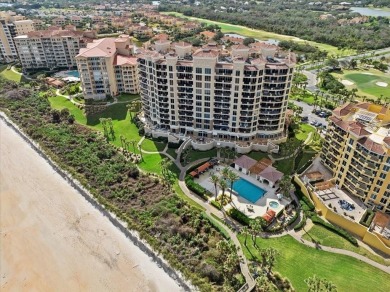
<point>251,204</point>
<point>340,201</point>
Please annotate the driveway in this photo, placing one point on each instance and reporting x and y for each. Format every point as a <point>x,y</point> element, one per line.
<point>307,111</point>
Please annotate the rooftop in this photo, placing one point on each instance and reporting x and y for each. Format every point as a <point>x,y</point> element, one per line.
<point>369,122</point>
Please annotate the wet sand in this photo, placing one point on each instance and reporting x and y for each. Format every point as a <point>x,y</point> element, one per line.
<point>52,239</point>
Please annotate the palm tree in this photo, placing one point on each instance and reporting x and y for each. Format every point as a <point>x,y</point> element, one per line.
<point>133,142</point>
<point>215,180</point>
<point>223,186</point>
<point>255,226</point>
<point>268,256</point>
<point>245,231</point>
<point>225,172</point>
<point>286,186</point>
<point>317,284</point>
<point>232,178</point>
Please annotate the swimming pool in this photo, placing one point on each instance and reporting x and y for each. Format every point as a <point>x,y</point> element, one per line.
<point>69,73</point>
<point>248,190</point>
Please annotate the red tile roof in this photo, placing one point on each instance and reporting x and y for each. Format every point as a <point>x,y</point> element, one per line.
<point>371,145</point>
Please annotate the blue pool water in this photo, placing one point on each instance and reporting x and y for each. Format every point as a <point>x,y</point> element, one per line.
<point>248,190</point>
<point>73,73</point>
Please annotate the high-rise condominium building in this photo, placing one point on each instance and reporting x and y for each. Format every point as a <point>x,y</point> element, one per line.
<point>11,25</point>
<point>218,97</point>
<point>50,48</point>
<point>357,151</point>
<point>108,67</point>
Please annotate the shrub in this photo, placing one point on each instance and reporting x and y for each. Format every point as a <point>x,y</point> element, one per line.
<point>239,216</point>
<point>197,188</point>
<point>216,204</point>
<point>216,225</point>
<point>292,219</point>
<point>275,228</point>
<point>301,224</point>
<point>175,145</point>
<point>335,229</point>
<point>367,218</point>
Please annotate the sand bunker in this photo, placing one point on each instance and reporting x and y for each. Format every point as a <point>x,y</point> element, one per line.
<point>346,82</point>
<point>381,84</point>
<point>367,73</point>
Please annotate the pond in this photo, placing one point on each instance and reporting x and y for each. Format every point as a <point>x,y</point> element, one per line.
<point>371,11</point>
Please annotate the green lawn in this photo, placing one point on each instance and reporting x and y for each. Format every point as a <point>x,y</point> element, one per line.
<point>127,97</point>
<point>303,131</point>
<point>263,35</point>
<point>298,262</point>
<point>257,155</point>
<point>151,145</point>
<point>306,156</point>
<point>195,155</point>
<point>365,82</point>
<point>328,238</point>
<point>172,152</point>
<point>123,126</point>
<point>285,165</point>
<point>10,75</point>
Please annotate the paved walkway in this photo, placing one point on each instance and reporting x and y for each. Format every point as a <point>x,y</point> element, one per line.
<point>298,236</point>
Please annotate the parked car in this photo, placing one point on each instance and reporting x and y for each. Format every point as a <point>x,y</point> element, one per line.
<point>313,123</point>
<point>305,119</point>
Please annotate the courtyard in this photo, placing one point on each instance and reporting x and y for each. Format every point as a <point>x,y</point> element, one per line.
<point>249,202</point>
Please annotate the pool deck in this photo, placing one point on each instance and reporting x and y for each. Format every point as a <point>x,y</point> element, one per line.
<point>259,208</point>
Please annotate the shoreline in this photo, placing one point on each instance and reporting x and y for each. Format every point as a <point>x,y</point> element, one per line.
<point>76,187</point>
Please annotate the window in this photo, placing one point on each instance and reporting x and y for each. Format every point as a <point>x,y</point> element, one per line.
<point>235,100</point>
<point>199,84</point>
<point>383,175</point>
<point>236,88</point>
<point>199,103</point>
<point>350,141</point>
<point>199,77</point>
<point>198,109</point>
<point>236,94</point>
<point>380,183</point>
<point>207,71</point>
<point>207,78</point>
<point>198,115</point>
<point>199,70</point>
<point>207,104</point>
<point>237,80</point>
<point>373,196</point>
<point>238,73</point>
<point>198,97</point>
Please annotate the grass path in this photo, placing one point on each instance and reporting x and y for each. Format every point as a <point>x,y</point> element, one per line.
<point>262,35</point>
<point>299,262</point>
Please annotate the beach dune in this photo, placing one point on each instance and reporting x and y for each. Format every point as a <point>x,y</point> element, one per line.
<point>52,239</point>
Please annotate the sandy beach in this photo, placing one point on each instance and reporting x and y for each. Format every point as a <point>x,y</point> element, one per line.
<point>52,239</point>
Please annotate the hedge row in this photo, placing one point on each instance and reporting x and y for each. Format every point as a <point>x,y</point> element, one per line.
<point>239,216</point>
<point>367,218</point>
<point>197,188</point>
<point>335,229</point>
<point>301,224</point>
<point>216,204</point>
<point>216,225</point>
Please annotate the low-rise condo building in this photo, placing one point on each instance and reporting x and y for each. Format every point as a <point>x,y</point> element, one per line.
<point>50,49</point>
<point>108,67</point>
<point>235,97</point>
<point>357,151</point>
